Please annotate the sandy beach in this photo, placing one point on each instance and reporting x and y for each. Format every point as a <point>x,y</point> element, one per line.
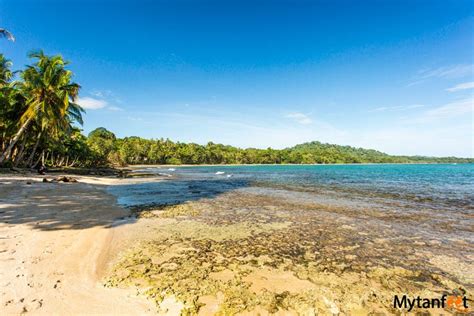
<point>55,242</point>
<point>68,248</point>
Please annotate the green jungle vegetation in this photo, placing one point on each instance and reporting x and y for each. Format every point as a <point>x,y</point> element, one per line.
<point>39,125</point>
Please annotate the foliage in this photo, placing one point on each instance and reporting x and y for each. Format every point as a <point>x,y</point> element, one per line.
<point>38,124</point>
<point>38,114</point>
<point>136,150</point>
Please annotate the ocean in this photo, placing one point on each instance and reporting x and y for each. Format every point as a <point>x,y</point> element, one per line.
<point>446,186</point>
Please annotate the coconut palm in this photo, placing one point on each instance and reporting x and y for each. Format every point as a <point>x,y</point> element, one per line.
<point>9,36</point>
<point>5,72</point>
<point>49,97</point>
<point>9,108</point>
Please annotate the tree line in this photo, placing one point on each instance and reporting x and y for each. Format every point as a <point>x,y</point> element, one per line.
<point>135,150</point>
<point>40,120</point>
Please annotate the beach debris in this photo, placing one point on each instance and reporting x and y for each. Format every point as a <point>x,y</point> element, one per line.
<point>60,179</point>
<point>41,170</point>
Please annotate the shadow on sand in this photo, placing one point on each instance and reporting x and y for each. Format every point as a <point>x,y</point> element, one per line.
<point>56,206</point>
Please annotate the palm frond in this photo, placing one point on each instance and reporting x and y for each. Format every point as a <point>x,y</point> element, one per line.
<point>6,34</point>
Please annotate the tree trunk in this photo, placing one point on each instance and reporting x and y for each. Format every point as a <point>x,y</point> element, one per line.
<point>30,159</point>
<point>73,162</point>
<point>15,152</point>
<point>41,158</point>
<point>20,154</point>
<point>60,162</point>
<point>7,152</point>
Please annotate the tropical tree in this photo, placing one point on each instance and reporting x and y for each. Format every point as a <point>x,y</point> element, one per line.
<point>102,143</point>
<point>49,97</point>
<point>10,105</point>
<point>6,74</point>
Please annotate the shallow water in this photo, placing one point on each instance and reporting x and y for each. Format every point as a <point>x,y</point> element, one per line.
<point>447,185</point>
<point>349,230</point>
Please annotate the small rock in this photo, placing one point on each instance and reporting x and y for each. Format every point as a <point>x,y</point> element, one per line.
<point>350,257</point>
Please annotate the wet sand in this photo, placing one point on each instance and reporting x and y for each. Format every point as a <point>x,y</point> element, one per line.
<point>251,250</point>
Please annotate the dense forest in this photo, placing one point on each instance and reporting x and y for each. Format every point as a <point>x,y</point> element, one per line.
<point>136,150</point>
<point>39,125</point>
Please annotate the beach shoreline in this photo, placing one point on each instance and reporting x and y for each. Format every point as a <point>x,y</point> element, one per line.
<point>290,164</point>
<point>69,249</point>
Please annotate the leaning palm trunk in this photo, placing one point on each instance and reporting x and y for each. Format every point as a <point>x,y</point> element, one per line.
<point>73,162</point>
<point>41,158</point>
<point>21,153</point>
<point>30,159</point>
<point>60,162</point>
<point>7,152</point>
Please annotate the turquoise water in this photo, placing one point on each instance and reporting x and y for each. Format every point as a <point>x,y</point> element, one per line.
<point>435,185</point>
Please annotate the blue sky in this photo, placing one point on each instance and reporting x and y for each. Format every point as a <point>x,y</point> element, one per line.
<point>396,76</point>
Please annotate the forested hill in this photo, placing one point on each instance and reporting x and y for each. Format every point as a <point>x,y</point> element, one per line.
<point>317,152</point>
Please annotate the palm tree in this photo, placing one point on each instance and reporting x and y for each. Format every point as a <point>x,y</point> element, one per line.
<point>50,97</point>
<point>8,97</point>
<point>5,72</point>
<point>9,36</point>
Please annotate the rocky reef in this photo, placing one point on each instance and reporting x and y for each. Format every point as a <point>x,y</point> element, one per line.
<point>252,253</point>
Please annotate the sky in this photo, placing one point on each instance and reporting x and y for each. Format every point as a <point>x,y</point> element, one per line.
<point>396,76</point>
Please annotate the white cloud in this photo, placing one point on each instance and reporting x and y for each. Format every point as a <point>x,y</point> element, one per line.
<point>102,93</point>
<point>437,140</point>
<point>114,108</point>
<point>452,109</point>
<point>300,118</point>
<point>447,111</point>
<point>446,72</point>
<point>91,103</point>
<point>135,119</point>
<point>396,108</point>
<point>462,86</point>
<point>97,93</point>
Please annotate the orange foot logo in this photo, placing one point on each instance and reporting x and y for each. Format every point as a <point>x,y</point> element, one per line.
<point>457,303</point>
